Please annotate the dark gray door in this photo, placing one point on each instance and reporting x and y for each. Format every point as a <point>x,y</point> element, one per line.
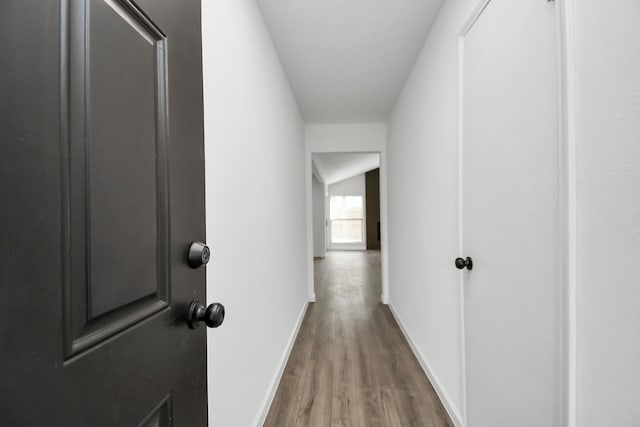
<point>101,192</point>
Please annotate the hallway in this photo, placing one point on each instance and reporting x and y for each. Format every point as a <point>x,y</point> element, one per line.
<point>350,364</point>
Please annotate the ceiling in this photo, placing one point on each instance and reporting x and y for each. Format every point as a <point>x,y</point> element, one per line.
<point>347,60</point>
<point>334,167</point>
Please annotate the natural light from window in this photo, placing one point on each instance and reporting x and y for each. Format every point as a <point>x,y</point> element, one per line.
<point>346,216</point>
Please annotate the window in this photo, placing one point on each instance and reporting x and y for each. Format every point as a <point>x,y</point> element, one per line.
<point>347,219</point>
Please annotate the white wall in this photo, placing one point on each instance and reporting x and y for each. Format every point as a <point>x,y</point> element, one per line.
<point>423,211</point>
<point>255,189</point>
<point>607,99</point>
<point>253,129</point>
<point>604,85</point>
<point>319,240</point>
<point>348,187</point>
<point>354,186</point>
<point>348,138</point>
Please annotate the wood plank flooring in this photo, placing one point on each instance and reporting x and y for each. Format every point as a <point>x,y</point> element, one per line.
<point>351,365</point>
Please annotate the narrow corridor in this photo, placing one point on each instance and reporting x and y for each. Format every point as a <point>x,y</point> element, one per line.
<point>351,365</point>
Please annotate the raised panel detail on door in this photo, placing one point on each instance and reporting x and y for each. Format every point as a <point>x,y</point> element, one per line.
<point>119,263</point>
<point>160,416</point>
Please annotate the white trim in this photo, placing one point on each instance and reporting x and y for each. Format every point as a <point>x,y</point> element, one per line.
<point>317,174</point>
<point>327,229</point>
<point>453,413</point>
<point>463,331</point>
<point>275,382</point>
<point>568,249</point>
<point>482,5</point>
<point>311,293</point>
<point>384,226</point>
<point>475,15</point>
<point>347,248</point>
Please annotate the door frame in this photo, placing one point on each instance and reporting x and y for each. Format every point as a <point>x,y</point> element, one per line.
<point>567,204</point>
<point>384,244</point>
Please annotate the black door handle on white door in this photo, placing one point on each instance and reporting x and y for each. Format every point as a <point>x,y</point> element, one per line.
<point>462,263</point>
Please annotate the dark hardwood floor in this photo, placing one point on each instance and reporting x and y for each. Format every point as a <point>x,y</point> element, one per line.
<point>351,365</point>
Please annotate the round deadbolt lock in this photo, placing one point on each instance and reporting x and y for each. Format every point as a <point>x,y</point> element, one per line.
<point>199,254</point>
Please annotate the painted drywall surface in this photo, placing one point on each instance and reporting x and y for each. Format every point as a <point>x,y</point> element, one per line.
<point>607,87</point>
<point>347,137</point>
<point>319,249</point>
<point>334,167</point>
<point>255,189</point>
<point>348,60</point>
<point>423,210</point>
<point>354,186</point>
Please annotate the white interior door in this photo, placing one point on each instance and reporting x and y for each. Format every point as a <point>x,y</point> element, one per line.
<point>510,215</point>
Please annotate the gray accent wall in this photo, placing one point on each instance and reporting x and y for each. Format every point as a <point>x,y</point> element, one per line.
<point>372,191</point>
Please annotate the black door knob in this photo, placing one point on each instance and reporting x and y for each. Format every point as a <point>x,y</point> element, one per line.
<point>212,316</point>
<point>464,263</point>
<point>199,254</point>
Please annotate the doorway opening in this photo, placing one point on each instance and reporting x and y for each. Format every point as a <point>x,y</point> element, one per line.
<point>346,207</point>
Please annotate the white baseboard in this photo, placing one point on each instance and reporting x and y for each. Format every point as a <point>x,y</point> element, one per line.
<point>347,248</point>
<point>271,392</point>
<point>312,298</point>
<point>437,386</point>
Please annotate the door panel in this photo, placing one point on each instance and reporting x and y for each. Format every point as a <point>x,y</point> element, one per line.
<point>124,141</point>
<point>118,167</point>
<point>101,202</point>
<point>511,215</point>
